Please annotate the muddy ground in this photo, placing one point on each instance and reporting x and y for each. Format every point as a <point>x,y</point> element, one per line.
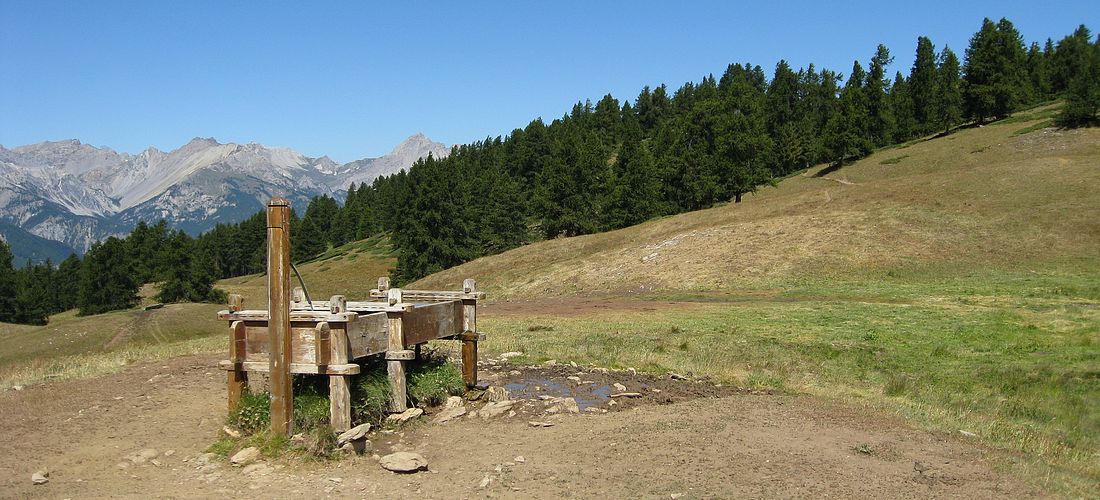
<point>676,439</point>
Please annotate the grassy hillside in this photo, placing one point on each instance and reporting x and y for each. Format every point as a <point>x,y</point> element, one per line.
<point>1007,195</point>
<point>73,346</point>
<point>953,281</point>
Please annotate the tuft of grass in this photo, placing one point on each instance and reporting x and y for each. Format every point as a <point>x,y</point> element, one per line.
<point>429,381</point>
<point>253,413</point>
<point>1037,126</point>
<point>540,328</point>
<point>222,447</point>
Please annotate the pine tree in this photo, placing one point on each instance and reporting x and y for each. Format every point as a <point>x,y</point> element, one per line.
<point>949,103</point>
<point>922,86</point>
<point>846,133</point>
<point>994,72</point>
<point>1083,94</point>
<point>68,283</point>
<point>901,104</point>
<point>8,313</point>
<point>881,125</point>
<point>107,280</point>
<point>307,240</point>
<point>636,196</point>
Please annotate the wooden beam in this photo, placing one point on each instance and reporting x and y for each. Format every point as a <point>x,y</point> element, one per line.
<point>260,315</point>
<point>295,368</point>
<point>339,390</point>
<point>469,325</point>
<point>396,342</point>
<point>278,305</point>
<point>430,295</point>
<point>236,381</point>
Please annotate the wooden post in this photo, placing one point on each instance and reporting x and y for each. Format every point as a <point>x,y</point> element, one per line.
<point>236,379</point>
<point>395,368</point>
<point>383,284</point>
<point>278,307</point>
<point>469,335</point>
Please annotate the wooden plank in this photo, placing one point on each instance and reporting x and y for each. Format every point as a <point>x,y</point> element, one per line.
<point>296,368</point>
<point>433,321</point>
<point>295,315</point>
<point>396,342</point>
<point>236,380</point>
<point>339,391</point>
<point>236,303</point>
<point>469,347</point>
<point>430,295</point>
<point>278,306</point>
<point>303,336</point>
<point>368,335</point>
<point>322,335</point>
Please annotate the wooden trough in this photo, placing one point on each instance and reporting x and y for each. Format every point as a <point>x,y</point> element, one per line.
<point>296,336</point>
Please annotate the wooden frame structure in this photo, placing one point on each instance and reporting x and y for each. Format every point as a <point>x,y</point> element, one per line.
<point>297,336</point>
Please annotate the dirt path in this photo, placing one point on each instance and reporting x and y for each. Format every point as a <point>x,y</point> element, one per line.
<point>740,445</point>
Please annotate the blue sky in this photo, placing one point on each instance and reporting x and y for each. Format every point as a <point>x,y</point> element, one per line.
<point>351,80</point>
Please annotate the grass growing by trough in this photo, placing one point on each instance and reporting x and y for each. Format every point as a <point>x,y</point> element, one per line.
<point>430,380</point>
<point>1011,357</point>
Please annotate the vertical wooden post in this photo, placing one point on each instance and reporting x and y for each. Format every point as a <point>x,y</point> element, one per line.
<point>278,307</point>
<point>339,391</point>
<point>236,379</point>
<point>383,284</point>
<point>469,335</point>
<point>395,368</point>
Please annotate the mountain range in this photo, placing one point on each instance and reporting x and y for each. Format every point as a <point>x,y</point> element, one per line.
<point>59,197</point>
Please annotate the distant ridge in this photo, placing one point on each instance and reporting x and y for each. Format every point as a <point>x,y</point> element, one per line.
<point>74,194</point>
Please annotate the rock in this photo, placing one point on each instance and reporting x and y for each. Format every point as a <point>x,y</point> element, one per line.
<point>40,477</point>
<point>17,387</point>
<point>967,433</point>
<point>676,376</point>
<point>405,416</point>
<point>592,409</point>
<point>573,364</point>
<point>497,393</point>
<point>403,461</point>
<point>576,380</point>
<point>449,414</point>
<point>453,402</point>
<point>515,373</point>
<point>510,355</point>
<point>567,405</point>
<point>485,482</point>
<point>495,409</point>
<point>245,456</point>
<point>535,423</point>
<point>619,387</point>
<point>356,433</point>
<point>519,459</point>
<point>123,465</point>
<point>169,453</point>
<point>257,469</point>
<point>551,362</point>
<point>231,432</point>
<point>143,456</point>
<point>674,496</point>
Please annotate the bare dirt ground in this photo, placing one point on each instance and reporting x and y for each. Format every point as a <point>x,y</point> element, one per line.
<point>690,440</point>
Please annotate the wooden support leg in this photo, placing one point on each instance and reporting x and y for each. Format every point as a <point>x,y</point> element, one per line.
<point>469,360</point>
<point>395,366</point>
<point>339,392</point>
<point>236,380</point>
<point>469,336</point>
<point>417,350</point>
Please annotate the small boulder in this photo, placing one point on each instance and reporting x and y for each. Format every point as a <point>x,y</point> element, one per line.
<point>405,416</point>
<point>619,387</point>
<point>354,434</point>
<point>40,477</point>
<point>453,402</point>
<point>403,461</point>
<point>497,393</point>
<point>495,409</point>
<point>245,456</point>
<point>449,414</point>
<point>510,355</point>
<point>231,432</point>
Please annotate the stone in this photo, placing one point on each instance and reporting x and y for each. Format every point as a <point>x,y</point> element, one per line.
<point>405,416</point>
<point>231,432</point>
<point>245,456</point>
<point>967,433</point>
<point>576,380</point>
<point>619,387</point>
<point>567,405</point>
<point>497,393</point>
<point>449,414</point>
<point>592,409</point>
<point>169,453</point>
<point>40,477</point>
<point>17,387</point>
<point>485,482</point>
<point>495,409</point>
<point>356,433</point>
<point>551,362</point>
<point>676,376</point>
<point>257,469</point>
<point>535,423</point>
<point>403,461</point>
<point>519,459</point>
<point>515,373</point>
<point>453,402</point>
<point>510,355</point>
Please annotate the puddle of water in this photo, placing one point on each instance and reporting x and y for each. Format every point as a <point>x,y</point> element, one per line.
<point>587,395</point>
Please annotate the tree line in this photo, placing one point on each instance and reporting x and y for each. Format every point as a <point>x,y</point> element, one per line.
<point>109,276</point>
<point>600,167</point>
